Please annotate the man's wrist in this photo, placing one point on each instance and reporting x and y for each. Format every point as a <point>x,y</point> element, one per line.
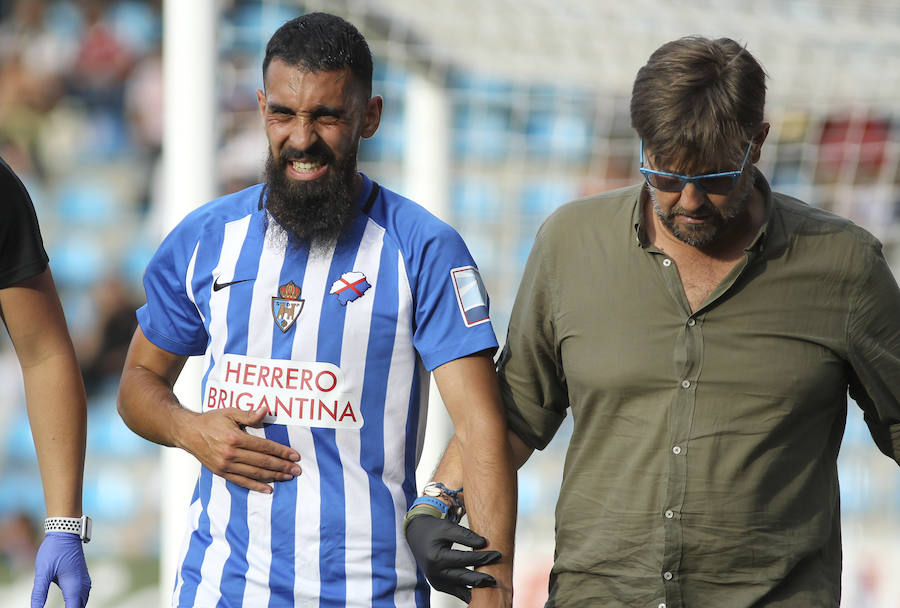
<point>182,427</point>
<point>450,497</point>
<point>79,526</point>
<point>428,506</point>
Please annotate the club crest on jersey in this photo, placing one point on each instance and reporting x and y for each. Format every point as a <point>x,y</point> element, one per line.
<point>470,295</point>
<point>286,306</point>
<point>349,287</point>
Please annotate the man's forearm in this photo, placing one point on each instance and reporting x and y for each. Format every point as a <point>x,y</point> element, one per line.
<point>217,439</point>
<point>149,407</point>
<point>480,462</point>
<point>450,468</point>
<point>57,411</point>
<point>491,497</point>
<point>54,390</point>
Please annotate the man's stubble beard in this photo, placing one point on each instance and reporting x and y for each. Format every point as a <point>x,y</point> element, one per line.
<point>722,219</point>
<point>311,214</point>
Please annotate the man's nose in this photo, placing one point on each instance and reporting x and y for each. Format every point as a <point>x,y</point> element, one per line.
<point>692,198</point>
<point>303,135</point>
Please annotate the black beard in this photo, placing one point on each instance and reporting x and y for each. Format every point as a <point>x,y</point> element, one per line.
<point>312,213</point>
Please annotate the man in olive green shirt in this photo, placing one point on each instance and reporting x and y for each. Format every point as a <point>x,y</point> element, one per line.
<point>704,332</point>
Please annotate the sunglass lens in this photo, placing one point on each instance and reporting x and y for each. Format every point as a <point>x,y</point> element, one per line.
<point>665,183</point>
<point>717,185</point>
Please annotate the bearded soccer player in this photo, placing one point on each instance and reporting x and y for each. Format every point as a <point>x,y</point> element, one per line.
<point>319,301</point>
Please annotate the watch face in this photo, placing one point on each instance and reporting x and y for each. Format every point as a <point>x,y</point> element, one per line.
<point>86,529</point>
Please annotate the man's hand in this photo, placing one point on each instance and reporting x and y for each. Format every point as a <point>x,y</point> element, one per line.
<point>431,539</point>
<point>218,440</point>
<point>60,560</point>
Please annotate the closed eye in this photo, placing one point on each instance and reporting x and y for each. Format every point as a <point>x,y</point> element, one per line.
<point>328,116</point>
<point>279,111</point>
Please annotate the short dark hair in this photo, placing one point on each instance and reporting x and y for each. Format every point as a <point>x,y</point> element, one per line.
<point>322,42</point>
<point>697,102</point>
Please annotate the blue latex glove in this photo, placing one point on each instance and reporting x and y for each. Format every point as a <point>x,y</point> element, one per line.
<point>61,560</point>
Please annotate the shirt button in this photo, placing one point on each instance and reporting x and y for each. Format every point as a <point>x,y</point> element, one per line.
<point>670,514</point>
<point>667,262</point>
<point>667,576</point>
<point>685,384</point>
<point>692,322</point>
<point>676,450</point>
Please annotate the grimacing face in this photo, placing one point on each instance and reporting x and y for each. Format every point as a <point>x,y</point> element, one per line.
<point>313,122</point>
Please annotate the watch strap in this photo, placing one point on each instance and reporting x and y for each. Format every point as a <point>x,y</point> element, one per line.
<point>425,505</point>
<point>440,505</point>
<point>80,526</point>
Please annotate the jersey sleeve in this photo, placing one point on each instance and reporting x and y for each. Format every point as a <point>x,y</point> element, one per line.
<point>874,353</point>
<point>22,253</point>
<point>170,319</point>
<point>532,378</point>
<point>451,316</point>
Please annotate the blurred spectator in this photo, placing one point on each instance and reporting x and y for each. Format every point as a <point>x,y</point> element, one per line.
<point>32,59</point>
<point>102,62</point>
<point>102,351</point>
<point>144,103</point>
<point>19,542</point>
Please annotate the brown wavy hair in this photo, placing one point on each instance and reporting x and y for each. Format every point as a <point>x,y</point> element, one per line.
<point>697,103</point>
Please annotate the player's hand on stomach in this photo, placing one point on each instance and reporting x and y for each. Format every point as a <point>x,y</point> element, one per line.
<point>218,440</point>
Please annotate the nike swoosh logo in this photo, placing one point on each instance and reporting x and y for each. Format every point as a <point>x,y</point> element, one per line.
<point>217,286</point>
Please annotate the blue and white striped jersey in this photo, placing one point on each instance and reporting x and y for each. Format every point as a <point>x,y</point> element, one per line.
<point>337,346</point>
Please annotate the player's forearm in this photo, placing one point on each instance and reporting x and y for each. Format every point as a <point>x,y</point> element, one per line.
<point>472,396</point>
<point>149,407</point>
<point>57,412</point>
<point>489,480</point>
<point>450,468</point>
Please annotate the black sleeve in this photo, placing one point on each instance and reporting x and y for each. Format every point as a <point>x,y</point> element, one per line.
<point>22,253</point>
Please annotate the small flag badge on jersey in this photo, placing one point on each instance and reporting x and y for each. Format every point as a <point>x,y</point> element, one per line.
<point>349,287</point>
<point>470,295</point>
<point>287,307</point>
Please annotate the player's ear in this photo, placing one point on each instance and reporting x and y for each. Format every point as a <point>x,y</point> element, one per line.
<point>261,100</point>
<point>372,116</point>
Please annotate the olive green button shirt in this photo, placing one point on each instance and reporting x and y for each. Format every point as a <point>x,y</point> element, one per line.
<point>702,468</point>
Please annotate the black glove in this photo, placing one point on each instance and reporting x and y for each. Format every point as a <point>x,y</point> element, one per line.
<point>430,539</point>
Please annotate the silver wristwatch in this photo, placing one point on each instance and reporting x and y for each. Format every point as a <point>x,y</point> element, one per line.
<point>73,525</point>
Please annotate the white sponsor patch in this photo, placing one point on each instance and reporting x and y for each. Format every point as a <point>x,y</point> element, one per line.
<point>294,392</point>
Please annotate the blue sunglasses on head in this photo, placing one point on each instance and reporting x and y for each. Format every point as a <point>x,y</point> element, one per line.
<point>711,183</point>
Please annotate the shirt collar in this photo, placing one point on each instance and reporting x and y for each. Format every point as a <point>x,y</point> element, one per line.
<point>639,236</point>
<point>761,240</point>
